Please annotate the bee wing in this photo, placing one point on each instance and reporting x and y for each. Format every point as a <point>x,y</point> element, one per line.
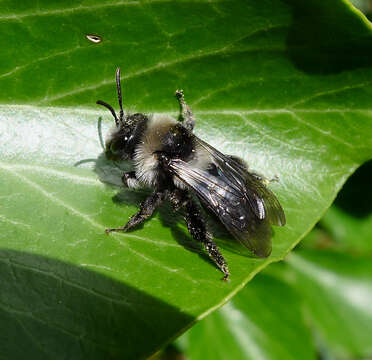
<point>263,202</point>
<point>240,200</point>
<point>229,204</point>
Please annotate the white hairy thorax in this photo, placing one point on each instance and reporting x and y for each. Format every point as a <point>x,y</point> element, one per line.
<point>145,160</point>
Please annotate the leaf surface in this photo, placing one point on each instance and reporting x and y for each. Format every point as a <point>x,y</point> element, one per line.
<point>264,321</point>
<point>336,290</point>
<point>255,94</point>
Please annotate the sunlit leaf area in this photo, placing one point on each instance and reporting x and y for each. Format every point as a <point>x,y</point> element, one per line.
<point>286,85</point>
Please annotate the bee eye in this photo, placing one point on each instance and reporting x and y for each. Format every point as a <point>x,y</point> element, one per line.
<point>112,150</point>
<point>116,147</point>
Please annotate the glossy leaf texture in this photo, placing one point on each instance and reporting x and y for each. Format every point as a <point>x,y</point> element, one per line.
<point>332,272</point>
<point>336,289</point>
<point>264,321</point>
<point>283,84</point>
<point>317,304</point>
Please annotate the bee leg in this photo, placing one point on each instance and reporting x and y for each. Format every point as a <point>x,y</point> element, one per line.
<point>130,180</point>
<point>186,115</point>
<point>147,208</point>
<point>197,228</point>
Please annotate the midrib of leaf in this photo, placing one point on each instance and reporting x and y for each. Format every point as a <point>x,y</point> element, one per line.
<point>295,114</point>
<point>163,65</point>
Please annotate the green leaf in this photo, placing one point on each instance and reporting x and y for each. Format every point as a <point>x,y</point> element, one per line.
<point>273,82</point>
<point>336,290</point>
<point>349,221</point>
<point>349,232</point>
<point>264,321</point>
<point>363,5</point>
<point>347,224</point>
<point>326,292</point>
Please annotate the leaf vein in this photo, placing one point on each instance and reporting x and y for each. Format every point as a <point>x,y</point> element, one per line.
<point>330,92</point>
<point>39,60</point>
<point>87,218</point>
<point>321,131</point>
<point>275,139</point>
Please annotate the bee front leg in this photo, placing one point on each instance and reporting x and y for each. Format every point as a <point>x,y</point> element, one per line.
<point>147,208</point>
<point>187,116</point>
<point>197,227</point>
<point>130,180</point>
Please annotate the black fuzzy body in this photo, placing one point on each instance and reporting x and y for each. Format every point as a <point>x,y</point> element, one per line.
<point>171,160</point>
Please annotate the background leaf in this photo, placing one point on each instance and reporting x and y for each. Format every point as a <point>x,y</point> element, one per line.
<point>318,304</point>
<point>337,292</point>
<point>264,86</point>
<point>321,294</point>
<point>264,321</point>
<point>349,221</point>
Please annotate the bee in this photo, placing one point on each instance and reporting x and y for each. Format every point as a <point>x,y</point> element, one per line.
<point>190,173</point>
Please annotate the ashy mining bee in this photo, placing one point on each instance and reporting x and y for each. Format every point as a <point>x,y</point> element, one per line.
<point>180,167</point>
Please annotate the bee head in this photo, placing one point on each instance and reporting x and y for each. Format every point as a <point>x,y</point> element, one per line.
<point>121,143</point>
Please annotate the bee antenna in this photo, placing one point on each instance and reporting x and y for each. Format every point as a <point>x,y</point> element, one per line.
<point>118,86</point>
<point>100,102</point>
<point>100,137</point>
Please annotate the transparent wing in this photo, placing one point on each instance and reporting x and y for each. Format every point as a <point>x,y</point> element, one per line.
<point>262,200</point>
<point>240,200</point>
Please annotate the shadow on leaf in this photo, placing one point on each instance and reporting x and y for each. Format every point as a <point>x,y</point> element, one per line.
<point>320,43</point>
<point>51,309</point>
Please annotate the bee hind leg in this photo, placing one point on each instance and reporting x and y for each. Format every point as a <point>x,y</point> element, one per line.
<point>147,208</point>
<point>186,115</point>
<point>197,228</point>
